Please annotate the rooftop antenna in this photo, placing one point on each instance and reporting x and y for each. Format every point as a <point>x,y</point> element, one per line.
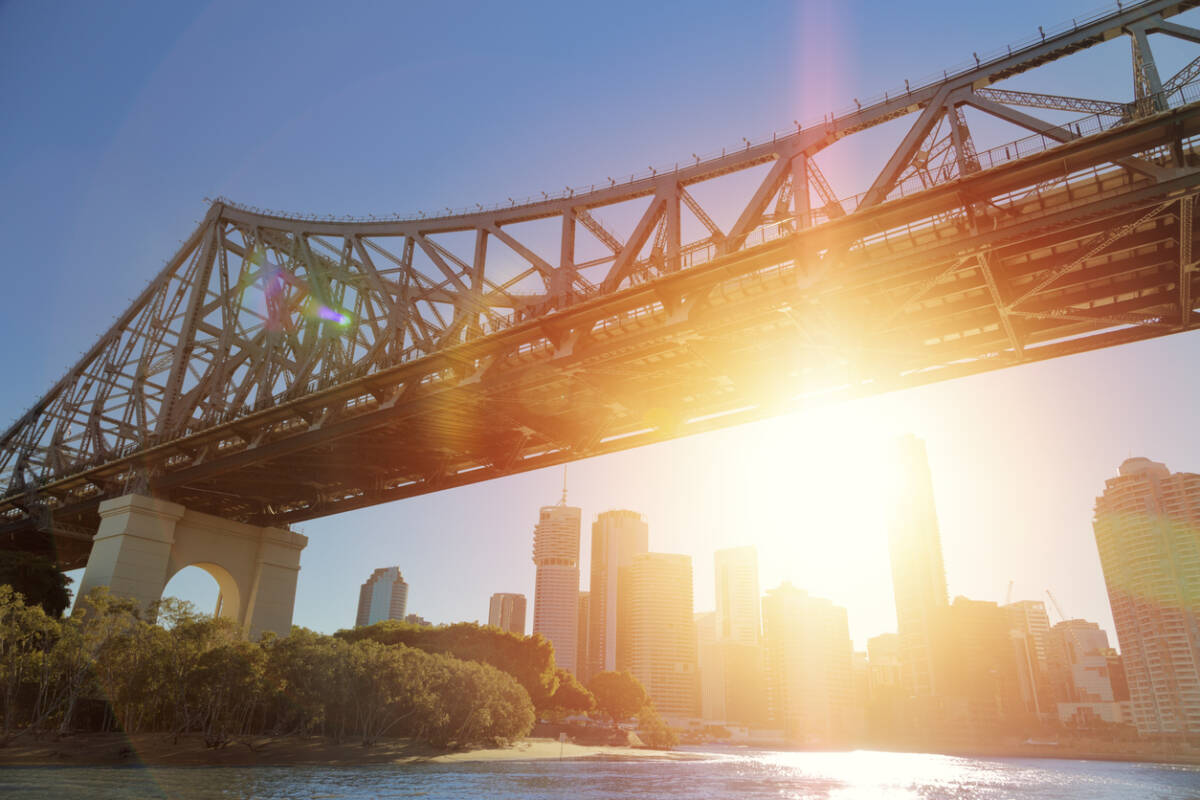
<point>563,502</point>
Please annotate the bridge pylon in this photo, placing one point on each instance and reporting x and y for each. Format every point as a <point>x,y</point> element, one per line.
<point>144,541</point>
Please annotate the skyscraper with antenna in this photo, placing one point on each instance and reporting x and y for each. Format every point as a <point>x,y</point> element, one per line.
<point>556,593</point>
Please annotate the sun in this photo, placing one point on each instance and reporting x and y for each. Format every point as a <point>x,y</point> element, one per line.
<point>813,491</point>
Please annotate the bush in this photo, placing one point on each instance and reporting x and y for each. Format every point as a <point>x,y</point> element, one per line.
<point>529,659</point>
<point>654,731</point>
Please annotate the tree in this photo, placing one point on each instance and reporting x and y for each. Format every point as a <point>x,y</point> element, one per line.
<point>390,685</point>
<point>570,697</point>
<point>300,671</point>
<point>98,619</point>
<point>654,731</point>
<point>618,695</point>
<point>477,704</point>
<point>37,579</point>
<point>27,634</point>
<point>184,637</point>
<point>529,659</point>
<point>230,687</point>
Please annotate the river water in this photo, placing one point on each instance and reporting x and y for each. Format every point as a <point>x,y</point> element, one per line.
<point>732,775</point>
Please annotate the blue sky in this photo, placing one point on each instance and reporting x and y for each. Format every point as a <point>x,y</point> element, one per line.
<point>119,118</point>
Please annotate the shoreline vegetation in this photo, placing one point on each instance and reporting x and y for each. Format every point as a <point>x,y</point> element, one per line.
<point>156,750</point>
<point>110,686</point>
<point>177,674</point>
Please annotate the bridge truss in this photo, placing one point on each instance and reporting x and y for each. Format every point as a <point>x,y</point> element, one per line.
<point>282,367</point>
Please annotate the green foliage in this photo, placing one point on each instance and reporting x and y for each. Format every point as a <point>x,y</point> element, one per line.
<point>229,688</point>
<point>37,579</point>
<point>188,672</point>
<point>529,659</point>
<point>618,695</point>
<point>27,636</point>
<point>570,697</point>
<point>302,668</point>
<point>654,731</point>
<point>480,705</point>
<point>389,685</point>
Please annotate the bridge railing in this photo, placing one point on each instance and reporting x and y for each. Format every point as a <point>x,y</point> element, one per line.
<point>831,119</point>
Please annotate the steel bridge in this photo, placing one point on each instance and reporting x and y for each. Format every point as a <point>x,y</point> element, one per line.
<point>284,367</point>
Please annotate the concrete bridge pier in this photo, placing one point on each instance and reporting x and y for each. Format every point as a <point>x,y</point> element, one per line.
<point>142,542</point>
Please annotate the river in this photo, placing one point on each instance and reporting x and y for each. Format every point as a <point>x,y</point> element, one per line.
<point>729,775</point>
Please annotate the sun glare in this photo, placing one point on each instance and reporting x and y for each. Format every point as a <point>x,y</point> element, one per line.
<point>813,489</point>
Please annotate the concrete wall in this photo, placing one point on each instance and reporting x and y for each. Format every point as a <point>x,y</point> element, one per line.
<point>142,542</point>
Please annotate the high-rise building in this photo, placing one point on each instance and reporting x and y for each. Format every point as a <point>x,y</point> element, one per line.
<point>1029,625</point>
<point>809,666</point>
<point>663,646</point>
<point>583,639</point>
<point>556,596</point>
<point>886,711</point>
<point>981,682</point>
<point>383,596</point>
<point>737,595</point>
<point>1030,618</point>
<point>1081,673</point>
<point>507,612</point>
<point>617,536</point>
<point>918,573</point>
<point>730,643</point>
<point>711,666</point>
<point>883,661</point>
<point>1146,526</point>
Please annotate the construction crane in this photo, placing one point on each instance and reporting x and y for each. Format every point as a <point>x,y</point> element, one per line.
<point>1061,616</point>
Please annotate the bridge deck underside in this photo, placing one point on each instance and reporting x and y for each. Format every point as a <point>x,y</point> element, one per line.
<point>1058,253</point>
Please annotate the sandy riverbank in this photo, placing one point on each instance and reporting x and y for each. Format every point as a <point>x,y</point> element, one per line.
<point>111,749</point>
<point>158,750</point>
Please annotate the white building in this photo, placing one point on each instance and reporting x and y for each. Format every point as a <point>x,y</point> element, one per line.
<point>738,598</point>
<point>556,596</point>
<point>1146,525</point>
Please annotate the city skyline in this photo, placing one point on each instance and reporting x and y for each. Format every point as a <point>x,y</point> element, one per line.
<point>1018,455</point>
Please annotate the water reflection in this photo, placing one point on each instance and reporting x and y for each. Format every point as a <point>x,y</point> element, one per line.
<point>731,775</point>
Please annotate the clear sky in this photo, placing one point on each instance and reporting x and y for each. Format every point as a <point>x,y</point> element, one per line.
<point>119,118</point>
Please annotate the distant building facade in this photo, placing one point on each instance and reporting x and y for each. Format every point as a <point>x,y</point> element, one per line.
<point>556,596</point>
<point>383,596</point>
<point>981,683</point>
<point>1029,625</point>
<point>617,536</point>
<point>507,612</point>
<point>1081,675</point>
<point>737,595</point>
<point>663,633</point>
<point>918,572</point>
<point>730,643</point>
<point>883,662</point>
<point>809,667</point>
<point>1146,525</point>
<point>712,676</point>
<point>583,639</point>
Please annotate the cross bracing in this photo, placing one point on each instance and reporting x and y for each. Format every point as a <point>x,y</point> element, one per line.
<point>281,368</point>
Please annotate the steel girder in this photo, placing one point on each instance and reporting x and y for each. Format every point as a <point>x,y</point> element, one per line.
<point>281,368</point>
